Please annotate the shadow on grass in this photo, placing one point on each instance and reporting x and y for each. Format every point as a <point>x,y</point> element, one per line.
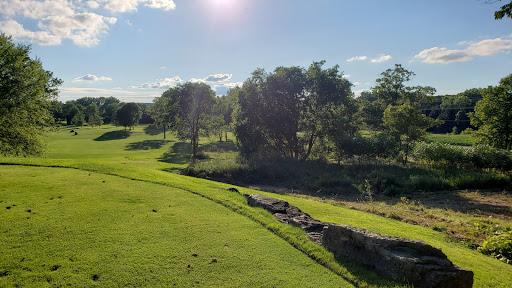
<point>151,130</point>
<point>228,146</point>
<point>113,135</point>
<point>146,145</point>
<point>179,153</point>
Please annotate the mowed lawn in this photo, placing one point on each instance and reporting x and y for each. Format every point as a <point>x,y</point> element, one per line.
<point>62,226</point>
<point>100,213</point>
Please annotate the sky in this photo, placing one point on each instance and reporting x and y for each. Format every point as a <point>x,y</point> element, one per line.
<point>136,49</point>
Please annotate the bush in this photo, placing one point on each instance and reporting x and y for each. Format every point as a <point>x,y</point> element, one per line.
<point>487,157</point>
<point>440,154</point>
<point>480,157</point>
<point>382,182</point>
<point>499,246</point>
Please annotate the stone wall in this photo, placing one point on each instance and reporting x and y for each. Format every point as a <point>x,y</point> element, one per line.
<point>408,261</point>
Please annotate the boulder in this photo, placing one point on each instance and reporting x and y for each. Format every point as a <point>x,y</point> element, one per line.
<point>410,261</point>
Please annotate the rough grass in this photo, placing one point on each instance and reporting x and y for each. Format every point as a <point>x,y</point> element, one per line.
<point>460,139</point>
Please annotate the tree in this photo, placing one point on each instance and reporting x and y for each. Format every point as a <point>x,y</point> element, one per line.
<point>406,124</point>
<point>160,111</point>
<point>128,115</point>
<point>26,91</point>
<point>194,102</point>
<point>505,10</point>
<point>493,115</point>
<point>392,90</point>
<point>92,115</point>
<point>78,119</point>
<point>285,112</point>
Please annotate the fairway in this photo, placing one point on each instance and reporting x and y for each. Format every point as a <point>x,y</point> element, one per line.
<point>120,219</point>
<point>69,227</point>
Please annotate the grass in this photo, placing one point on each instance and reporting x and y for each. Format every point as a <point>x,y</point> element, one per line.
<point>460,139</point>
<point>145,167</point>
<point>71,227</point>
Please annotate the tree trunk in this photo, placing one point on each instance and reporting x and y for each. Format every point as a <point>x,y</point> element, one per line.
<point>164,129</point>
<point>310,144</point>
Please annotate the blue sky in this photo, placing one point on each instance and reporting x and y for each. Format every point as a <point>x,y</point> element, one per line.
<point>136,49</point>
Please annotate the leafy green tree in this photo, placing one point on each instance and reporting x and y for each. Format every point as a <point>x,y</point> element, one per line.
<point>194,102</point>
<point>26,91</point>
<point>285,112</point>
<point>160,111</point>
<point>406,124</point>
<point>493,115</point>
<point>92,115</point>
<point>505,10</point>
<point>128,115</point>
<point>78,119</point>
<point>392,90</point>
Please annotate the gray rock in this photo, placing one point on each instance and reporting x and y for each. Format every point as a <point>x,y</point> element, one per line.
<point>410,261</point>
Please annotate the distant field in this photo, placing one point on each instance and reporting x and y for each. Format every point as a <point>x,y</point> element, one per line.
<point>81,231</point>
<point>461,140</point>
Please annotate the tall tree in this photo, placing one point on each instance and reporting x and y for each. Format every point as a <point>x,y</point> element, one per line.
<point>161,112</point>
<point>128,115</point>
<point>406,123</point>
<point>26,91</point>
<point>92,115</point>
<point>193,103</point>
<point>286,111</point>
<point>493,115</point>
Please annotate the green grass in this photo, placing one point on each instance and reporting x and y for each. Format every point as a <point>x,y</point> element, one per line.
<point>145,167</point>
<point>460,140</point>
<point>72,227</point>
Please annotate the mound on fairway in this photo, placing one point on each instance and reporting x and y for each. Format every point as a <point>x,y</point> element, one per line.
<point>70,227</point>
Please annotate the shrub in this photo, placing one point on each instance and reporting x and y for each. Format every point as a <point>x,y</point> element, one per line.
<point>382,182</point>
<point>487,157</point>
<point>499,246</point>
<point>440,154</point>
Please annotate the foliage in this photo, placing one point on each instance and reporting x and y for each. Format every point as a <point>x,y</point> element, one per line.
<point>500,247</point>
<point>505,10</point>
<point>160,112</point>
<point>128,115</point>
<point>479,157</point>
<point>493,115</point>
<point>78,118</point>
<point>407,124</point>
<point>285,112</point>
<point>26,92</point>
<point>92,115</point>
<point>190,107</point>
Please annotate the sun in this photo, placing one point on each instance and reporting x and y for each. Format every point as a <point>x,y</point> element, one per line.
<point>223,2</point>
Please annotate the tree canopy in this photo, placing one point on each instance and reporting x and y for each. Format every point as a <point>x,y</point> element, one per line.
<point>128,115</point>
<point>26,92</point>
<point>505,10</point>
<point>493,115</point>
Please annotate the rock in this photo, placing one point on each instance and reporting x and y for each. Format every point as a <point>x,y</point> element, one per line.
<point>409,261</point>
<point>289,214</point>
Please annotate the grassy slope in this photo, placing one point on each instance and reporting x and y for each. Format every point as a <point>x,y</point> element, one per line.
<point>75,224</point>
<point>488,272</point>
<point>460,139</point>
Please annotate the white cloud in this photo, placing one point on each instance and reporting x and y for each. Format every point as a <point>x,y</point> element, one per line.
<point>356,83</point>
<point>482,48</point>
<point>357,58</point>
<point>381,58</point>
<point>121,6</point>
<point>345,76</point>
<point>92,4</point>
<point>11,27</point>
<point>357,93</point>
<point>67,19</point>
<point>126,95</point>
<point>91,78</point>
<point>228,85</point>
<point>218,77</point>
<point>164,84</point>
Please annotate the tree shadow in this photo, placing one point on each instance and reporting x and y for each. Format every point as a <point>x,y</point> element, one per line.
<point>179,153</point>
<point>152,130</point>
<point>146,145</point>
<point>228,146</point>
<point>113,135</point>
